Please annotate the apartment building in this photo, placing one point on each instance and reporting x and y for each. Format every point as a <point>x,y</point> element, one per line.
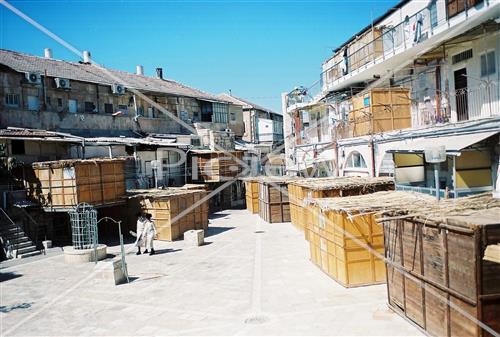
<point>423,75</point>
<point>261,124</point>
<point>54,109</point>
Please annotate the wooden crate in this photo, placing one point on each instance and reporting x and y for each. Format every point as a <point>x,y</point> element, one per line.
<point>66,183</point>
<point>252,195</point>
<point>217,166</point>
<point>380,110</point>
<point>345,240</point>
<point>436,259</point>
<point>301,190</point>
<point>167,207</point>
<point>273,201</point>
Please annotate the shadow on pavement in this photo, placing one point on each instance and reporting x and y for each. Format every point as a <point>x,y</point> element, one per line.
<point>217,215</point>
<point>217,230</point>
<point>8,276</point>
<point>6,309</point>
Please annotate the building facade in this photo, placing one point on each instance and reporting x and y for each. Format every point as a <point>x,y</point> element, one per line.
<point>425,74</point>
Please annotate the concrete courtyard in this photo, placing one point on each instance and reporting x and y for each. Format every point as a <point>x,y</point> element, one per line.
<point>251,278</point>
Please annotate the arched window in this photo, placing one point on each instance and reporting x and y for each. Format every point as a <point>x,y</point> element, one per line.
<point>355,160</point>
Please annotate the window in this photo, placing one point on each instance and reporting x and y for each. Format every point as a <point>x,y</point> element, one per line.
<point>72,106</point>
<point>33,103</point>
<point>123,108</point>
<point>355,160</point>
<point>12,100</point>
<point>433,13</point>
<point>151,112</point>
<point>220,112</point>
<point>233,116</point>
<point>89,107</point>
<point>108,108</point>
<point>59,102</point>
<point>18,147</point>
<point>195,141</point>
<point>488,66</point>
<point>49,101</point>
<point>460,57</point>
<point>206,111</point>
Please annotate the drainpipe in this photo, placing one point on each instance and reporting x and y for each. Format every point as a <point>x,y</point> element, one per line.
<point>44,90</point>
<point>83,148</point>
<point>372,154</point>
<point>336,150</point>
<point>185,166</point>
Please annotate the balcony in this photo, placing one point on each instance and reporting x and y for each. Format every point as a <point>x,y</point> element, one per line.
<point>393,47</point>
<point>467,104</point>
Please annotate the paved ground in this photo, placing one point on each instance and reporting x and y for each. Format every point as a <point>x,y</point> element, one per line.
<point>252,278</point>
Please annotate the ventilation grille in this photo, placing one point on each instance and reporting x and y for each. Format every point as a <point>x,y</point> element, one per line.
<point>465,55</point>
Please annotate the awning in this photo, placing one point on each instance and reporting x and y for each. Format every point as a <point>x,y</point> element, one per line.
<point>453,143</point>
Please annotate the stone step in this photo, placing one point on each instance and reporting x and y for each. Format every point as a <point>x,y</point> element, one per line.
<point>14,235</point>
<point>23,244</point>
<point>9,230</point>
<point>18,239</point>
<point>26,250</point>
<point>25,255</point>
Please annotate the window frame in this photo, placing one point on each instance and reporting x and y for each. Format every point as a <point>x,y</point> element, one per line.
<point>86,106</point>
<point>488,71</point>
<point>13,97</point>
<point>349,162</point>
<point>106,108</point>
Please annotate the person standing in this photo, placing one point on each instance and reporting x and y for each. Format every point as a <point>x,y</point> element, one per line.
<point>149,234</point>
<point>140,239</point>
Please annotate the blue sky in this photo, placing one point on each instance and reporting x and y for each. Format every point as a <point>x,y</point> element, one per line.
<point>258,49</point>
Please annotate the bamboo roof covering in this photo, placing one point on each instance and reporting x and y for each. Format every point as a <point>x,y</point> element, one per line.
<point>160,193</point>
<point>480,209</point>
<point>333,183</point>
<point>72,162</point>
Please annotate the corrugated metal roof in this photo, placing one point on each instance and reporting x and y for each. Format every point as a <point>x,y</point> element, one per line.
<point>95,74</point>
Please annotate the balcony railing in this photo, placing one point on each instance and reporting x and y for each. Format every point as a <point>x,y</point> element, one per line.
<point>464,104</point>
<point>391,41</point>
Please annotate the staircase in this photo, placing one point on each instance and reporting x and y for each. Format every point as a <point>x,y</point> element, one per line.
<point>14,239</point>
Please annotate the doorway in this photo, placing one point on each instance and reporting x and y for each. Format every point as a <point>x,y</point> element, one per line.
<point>461,96</point>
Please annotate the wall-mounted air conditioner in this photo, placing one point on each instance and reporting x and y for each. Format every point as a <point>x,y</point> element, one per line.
<point>118,89</point>
<point>62,83</point>
<point>33,78</point>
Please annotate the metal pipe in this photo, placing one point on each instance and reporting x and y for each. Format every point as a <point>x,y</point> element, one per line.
<point>436,180</point>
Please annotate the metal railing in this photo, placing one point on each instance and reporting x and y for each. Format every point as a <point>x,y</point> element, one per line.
<point>391,41</point>
<point>464,104</point>
<point>475,103</point>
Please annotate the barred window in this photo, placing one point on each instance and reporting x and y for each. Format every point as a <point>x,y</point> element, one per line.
<point>12,100</point>
<point>220,112</point>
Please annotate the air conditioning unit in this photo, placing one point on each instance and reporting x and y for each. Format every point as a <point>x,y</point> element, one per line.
<point>228,130</point>
<point>118,89</point>
<point>33,78</point>
<point>62,83</point>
